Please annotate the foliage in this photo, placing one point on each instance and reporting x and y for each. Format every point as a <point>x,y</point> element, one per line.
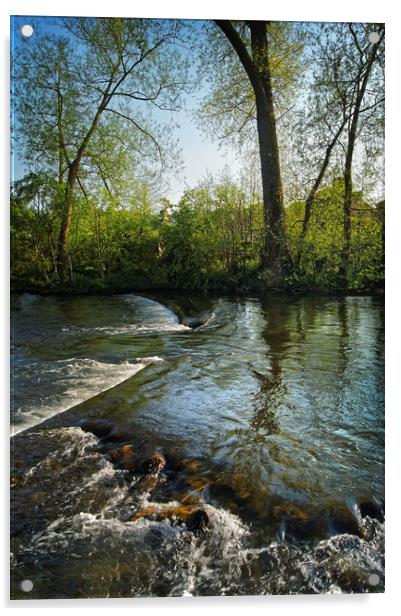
<point>228,110</point>
<point>321,257</point>
<point>78,99</point>
<point>35,214</point>
<point>126,68</point>
<point>210,240</point>
<point>213,238</point>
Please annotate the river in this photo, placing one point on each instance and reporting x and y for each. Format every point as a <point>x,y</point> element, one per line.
<point>268,418</point>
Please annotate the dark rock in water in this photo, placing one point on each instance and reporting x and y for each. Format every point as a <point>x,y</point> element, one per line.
<point>236,498</point>
<point>98,427</point>
<point>123,458</point>
<point>343,521</point>
<point>152,465</point>
<point>222,492</point>
<point>349,576</point>
<point>195,520</point>
<point>372,509</point>
<point>299,523</point>
<point>195,323</point>
<point>174,462</point>
<point>121,433</point>
<point>305,523</point>
<point>198,521</point>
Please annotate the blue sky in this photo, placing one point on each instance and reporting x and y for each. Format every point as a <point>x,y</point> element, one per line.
<point>201,155</point>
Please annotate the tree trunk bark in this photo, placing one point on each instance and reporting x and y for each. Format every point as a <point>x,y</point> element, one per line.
<point>66,222</point>
<point>347,205</point>
<point>275,248</point>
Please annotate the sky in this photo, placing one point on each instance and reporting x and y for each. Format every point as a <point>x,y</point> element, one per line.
<point>201,155</point>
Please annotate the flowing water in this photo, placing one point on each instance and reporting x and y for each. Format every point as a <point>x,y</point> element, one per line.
<point>268,419</point>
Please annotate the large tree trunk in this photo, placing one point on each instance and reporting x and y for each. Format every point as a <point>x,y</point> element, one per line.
<point>275,246</point>
<point>257,68</point>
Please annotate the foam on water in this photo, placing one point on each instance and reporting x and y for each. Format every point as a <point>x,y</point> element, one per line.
<point>95,509</point>
<point>77,381</point>
<point>150,328</point>
<point>216,558</point>
<point>104,548</point>
<point>72,444</point>
<point>128,329</point>
<point>193,561</point>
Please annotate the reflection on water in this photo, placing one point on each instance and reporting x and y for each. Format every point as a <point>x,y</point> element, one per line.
<point>270,418</point>
<point>265,403</point>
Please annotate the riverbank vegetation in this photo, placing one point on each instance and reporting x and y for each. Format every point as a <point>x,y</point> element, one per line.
<point>94,103</point>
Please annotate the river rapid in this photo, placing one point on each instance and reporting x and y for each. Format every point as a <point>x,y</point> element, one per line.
<point>240,454</point>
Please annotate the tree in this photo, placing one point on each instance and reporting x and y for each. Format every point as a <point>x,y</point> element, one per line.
<point>354,95</point>
<point>35,218</point>
<point>322,245</point>
<point>256,63</point>
<point>68,87</point>
<point>340,119</point>
<point>228,108</point>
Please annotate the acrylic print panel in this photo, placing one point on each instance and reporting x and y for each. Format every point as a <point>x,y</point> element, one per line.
<point>197,358</point>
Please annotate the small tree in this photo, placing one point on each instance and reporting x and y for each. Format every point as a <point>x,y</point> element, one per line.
<point>343,113</point>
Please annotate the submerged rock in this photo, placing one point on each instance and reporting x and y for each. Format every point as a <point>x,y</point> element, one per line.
<point>124,458</point>
<point>342,520</point>
<point>198,521</point>
<point>305,523</point>
<point>152,465</point>
<point>222,492</point>
<point>195,520</point>
<point>191,465</point>
<point>98,427</point>
<point>160,513</point>
<point>299,523</point>
<point>121,433</point>
<point>148,470</point>
<point>372,509</point>
<point>197,484</point>
<point>194,323</point>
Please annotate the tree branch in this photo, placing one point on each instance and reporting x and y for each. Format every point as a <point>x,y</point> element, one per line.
<point>140,128</point>
<point>241,51</point>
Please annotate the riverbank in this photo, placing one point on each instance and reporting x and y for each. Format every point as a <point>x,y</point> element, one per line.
<point>254,290</point>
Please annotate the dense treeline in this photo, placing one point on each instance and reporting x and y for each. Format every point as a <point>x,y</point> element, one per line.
<point>212,239</point>
<point>91,214</point>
